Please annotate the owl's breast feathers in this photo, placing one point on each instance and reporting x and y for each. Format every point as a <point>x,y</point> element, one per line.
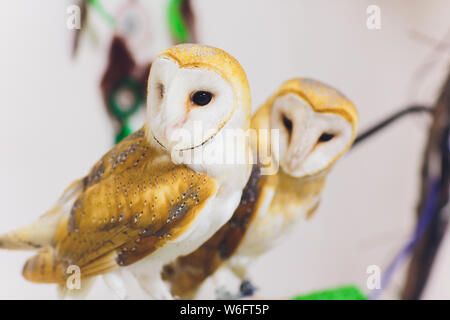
<point>134,200</point>
<point>187,273</point>
<point>294,196</point>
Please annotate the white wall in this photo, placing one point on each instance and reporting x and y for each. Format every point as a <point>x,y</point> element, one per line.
<point>53,125</point>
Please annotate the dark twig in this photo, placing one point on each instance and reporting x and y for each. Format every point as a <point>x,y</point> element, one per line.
<point>391,119</point>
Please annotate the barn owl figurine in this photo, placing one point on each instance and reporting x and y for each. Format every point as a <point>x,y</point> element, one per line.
<point>138,208</point>
<point>317,125</point>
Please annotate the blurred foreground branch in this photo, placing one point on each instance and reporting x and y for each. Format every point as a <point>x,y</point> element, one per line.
<point>435,163</point>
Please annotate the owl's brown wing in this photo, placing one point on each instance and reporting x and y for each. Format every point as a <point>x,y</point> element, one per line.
<point>122,217</point>
<point>187,273</point>
<point>40,233</point>
<point>127,153</point>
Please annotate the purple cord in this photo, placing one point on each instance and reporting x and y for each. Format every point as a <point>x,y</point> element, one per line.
<point>427,214</point>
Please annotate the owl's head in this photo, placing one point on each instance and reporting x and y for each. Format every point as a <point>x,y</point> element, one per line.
<point>196,90</point>
<point>316,124</point>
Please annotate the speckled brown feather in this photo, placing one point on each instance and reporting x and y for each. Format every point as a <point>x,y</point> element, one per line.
<point>40,233</point>
<point>134,200</point>
<point>188,272</point>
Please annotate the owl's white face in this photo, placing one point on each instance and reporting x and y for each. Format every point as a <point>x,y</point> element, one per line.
<point>309,141</point>
<point>194,101</point>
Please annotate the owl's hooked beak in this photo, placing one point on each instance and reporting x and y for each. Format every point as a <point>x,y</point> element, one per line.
<point>171,129</point>
<point>170,126</point>
<point>302,143</point>
<point>297,149</point>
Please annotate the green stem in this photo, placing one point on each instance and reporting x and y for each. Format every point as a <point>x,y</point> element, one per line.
<point>101,10</point>
<point>177,25</point>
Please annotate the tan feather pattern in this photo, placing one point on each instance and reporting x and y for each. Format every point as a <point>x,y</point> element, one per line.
<point>188,272</point>
<point>135,200</point>
<point>40,233</point>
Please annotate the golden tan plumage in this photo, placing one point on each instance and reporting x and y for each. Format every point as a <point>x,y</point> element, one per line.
<point>138,207</point>
<point>278,201</point>
<point>188,272</point>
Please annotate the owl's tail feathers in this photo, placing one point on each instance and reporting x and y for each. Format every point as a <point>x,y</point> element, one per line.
<point>40,233</point>
<point>44,267</point>
<point>33,236</point>
<point>13,241</point>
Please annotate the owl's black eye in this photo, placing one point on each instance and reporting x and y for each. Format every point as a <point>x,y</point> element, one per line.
<point>202,98</point>
<point>287,124</point>
<point>161,90</point>
<point>326,137</point>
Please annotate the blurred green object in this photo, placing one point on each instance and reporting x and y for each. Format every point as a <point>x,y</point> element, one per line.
<point>340,293</point>
<point>125,131</point>
<point>99,8</point>
<point>177,25</point>
<point>123,111</point>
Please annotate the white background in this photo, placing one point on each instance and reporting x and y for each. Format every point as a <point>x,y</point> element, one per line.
<point>53,126</point>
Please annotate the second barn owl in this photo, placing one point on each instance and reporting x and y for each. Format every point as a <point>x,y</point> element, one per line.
<point>317,125</point>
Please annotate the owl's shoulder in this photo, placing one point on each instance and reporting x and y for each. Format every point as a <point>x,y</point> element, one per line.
<point>126,155</point>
